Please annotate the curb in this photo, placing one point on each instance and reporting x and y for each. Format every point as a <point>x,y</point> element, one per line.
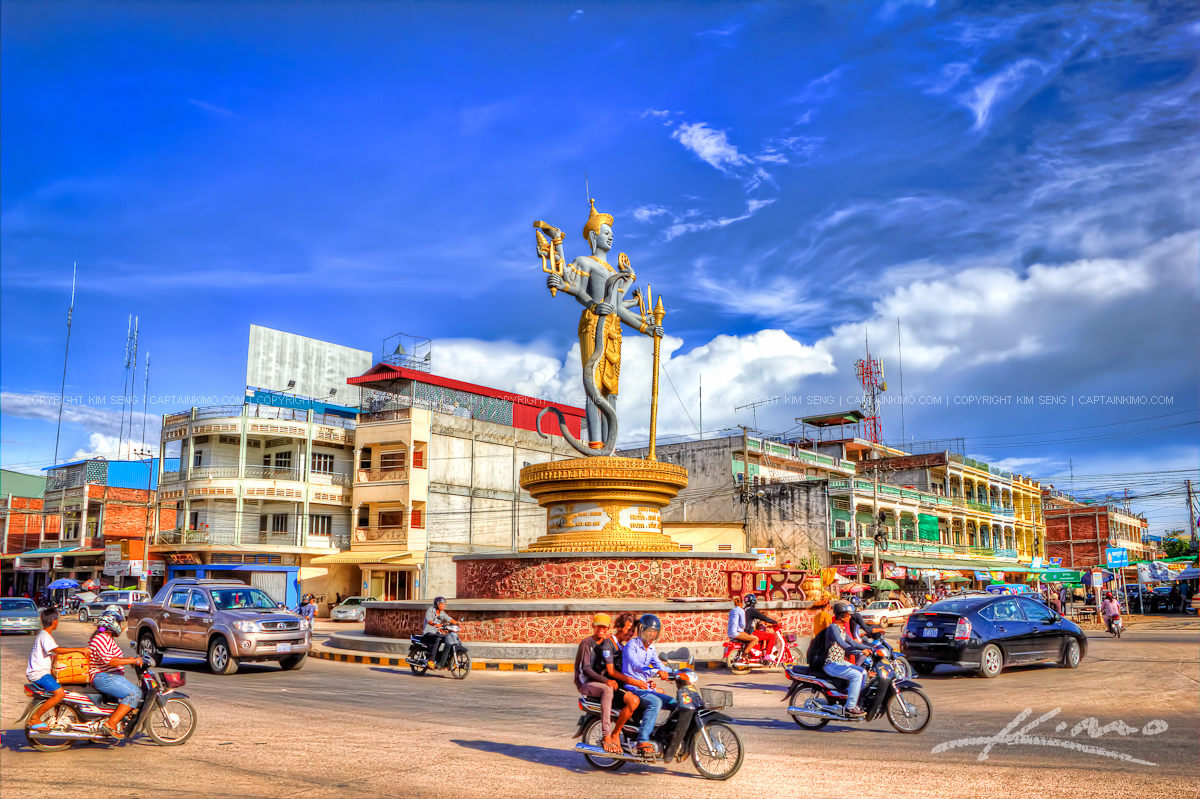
<point>477,665</point>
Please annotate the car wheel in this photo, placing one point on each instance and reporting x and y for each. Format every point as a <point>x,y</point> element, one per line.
<point>83,615</point>
<point>991,661</point>
<point>924,668</point>
<point>884,622</point>
<point>293,663</point>
<point>146,646</point>
<point>1071,654</point>
<point>220,658</point>
<point>362,616</point>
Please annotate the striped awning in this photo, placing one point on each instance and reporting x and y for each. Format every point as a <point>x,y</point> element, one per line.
<point>361,557</point>
<point>974,564</point>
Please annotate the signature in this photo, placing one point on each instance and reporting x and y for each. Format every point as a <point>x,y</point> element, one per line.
<point>1011,736</point>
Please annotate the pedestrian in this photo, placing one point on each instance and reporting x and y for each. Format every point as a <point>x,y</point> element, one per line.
<point>1056,603</point>
<point>1173,599</point>
<point>308,609</point>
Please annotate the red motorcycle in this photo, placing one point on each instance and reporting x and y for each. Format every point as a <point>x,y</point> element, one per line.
<point>740,662</point>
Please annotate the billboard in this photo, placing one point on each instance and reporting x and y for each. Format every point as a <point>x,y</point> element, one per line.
<point>308,367</point>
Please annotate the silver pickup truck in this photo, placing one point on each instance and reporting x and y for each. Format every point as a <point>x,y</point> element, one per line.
<point>227,620</point>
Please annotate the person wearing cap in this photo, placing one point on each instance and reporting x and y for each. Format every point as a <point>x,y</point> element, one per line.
<point>591,683</point>
<point>436,617</point>
<point>608,661</point>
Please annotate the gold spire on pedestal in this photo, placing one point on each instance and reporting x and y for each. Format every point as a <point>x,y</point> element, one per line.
<point>604,504</point>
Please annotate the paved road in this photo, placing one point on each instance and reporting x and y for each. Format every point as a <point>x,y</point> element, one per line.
<point>341,730</point>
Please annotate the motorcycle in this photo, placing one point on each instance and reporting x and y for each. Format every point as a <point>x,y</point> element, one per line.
<point>693,727</point>
<point>1115,626</point>
<point>903,669</point>
<point>741,659</point>
<point>815,698</point>
<point>164,714</point>
<point>451,655</point>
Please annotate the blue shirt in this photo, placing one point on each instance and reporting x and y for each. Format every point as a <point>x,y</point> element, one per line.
<point>640,661</point>
<point>737,620</point>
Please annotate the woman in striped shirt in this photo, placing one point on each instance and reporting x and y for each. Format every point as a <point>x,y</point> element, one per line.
<point>106,665</point>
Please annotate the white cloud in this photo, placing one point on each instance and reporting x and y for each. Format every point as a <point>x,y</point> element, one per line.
<point>211,108</point>
<point>112,448</point>
<point>646,213</point>
<point>576,14</point>
<point>982,97</point>
<point>679,228</point>
<point>819,89</point>
<point>710,145</point>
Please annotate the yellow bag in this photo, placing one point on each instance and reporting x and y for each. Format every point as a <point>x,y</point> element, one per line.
<point>71,668</point>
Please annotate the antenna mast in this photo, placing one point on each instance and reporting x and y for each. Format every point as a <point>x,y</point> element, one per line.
<point>62,392</point>
<point>870,375</point>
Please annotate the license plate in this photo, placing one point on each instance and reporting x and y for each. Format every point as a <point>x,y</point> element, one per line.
<point>283,647</point>
<point>929,632</point>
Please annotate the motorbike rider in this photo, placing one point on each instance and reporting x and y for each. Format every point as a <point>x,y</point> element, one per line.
<point>608,661</point>
<point>105,666</point>
<point>641,663</point>
<point>433,635</point>
<point>828,652</point>
<point>39,671</point>
<point>1111,609</point>
<point>742,628</point>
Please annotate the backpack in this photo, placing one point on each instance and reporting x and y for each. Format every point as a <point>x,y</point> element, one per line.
<point>818,650</point>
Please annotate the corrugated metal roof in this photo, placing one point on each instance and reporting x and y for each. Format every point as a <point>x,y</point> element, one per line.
<point>125,474</point>
<point>20,484</point>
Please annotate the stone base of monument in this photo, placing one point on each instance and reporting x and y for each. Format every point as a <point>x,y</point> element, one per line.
<point>550,629</point>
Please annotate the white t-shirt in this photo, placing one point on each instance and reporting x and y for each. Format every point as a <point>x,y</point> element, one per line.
<point>39,658</point>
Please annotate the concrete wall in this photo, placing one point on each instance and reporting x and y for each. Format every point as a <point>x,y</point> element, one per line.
<point>711,494</point>
<point>791,517</point>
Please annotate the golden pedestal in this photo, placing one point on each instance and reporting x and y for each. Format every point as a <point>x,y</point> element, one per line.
<point>604,504</point>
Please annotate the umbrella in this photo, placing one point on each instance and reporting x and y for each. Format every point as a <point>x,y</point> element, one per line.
<point>90,584</point>
<point>85,596</point>
<point>63,582</point>
<point>955,578</point>
<point>885,585</point>
<point>855,588</point>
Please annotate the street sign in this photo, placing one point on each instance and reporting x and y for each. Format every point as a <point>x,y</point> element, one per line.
<point>1116,556</point>
<point>1055,561</point>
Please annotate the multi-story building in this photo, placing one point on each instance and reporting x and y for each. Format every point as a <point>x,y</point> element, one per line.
<point>262,489</point>
<point>85,506</point>
<point>21,521</point>
<point>746,492</point>
<point>939,510</point>
<point>437,469</point>
<point>1079,533</point>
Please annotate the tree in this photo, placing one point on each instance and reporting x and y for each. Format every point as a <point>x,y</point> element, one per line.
<point>1175,547</point>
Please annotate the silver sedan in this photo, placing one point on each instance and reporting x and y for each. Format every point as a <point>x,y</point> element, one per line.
<point>351,609</point>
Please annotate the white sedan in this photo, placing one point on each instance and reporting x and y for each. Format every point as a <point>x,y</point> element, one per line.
<point>351,609</point>
<point>885,612</point>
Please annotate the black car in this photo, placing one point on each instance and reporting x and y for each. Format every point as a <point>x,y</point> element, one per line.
<point>987,633</point>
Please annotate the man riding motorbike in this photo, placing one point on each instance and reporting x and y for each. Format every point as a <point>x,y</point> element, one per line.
<point>742,630</point>
<point>607,661</point>
<point>829,651</point>
<point>641,663</point>
<point>435,618</point>
<point>105,667</point>
<point>1111,609</point>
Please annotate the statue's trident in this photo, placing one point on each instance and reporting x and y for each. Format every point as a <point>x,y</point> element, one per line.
<point>551,263</point>
<point>659,312</point>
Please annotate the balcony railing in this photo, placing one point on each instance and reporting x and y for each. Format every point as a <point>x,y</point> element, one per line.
<point>205,472</point>
<point>393,415</point>
<point>271,472</point>
<point>380,475</point>
<point>392,535</point>
<point>204,536</point>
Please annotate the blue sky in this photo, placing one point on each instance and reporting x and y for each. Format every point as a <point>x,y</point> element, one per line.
<point>1014,182</point>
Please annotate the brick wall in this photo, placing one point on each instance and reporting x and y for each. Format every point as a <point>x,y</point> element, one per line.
<point>125,513</point>
<point>1075,541</point>
<point>24,524</point>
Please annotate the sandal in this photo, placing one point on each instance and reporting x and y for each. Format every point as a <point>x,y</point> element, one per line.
<point>646,749</point>
<point>612,747</point>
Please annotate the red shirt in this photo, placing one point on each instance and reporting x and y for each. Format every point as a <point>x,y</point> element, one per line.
<point>101,650</point>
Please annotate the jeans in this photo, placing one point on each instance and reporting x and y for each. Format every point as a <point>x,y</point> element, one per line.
<point>605,692</point>
<point>117,687</point>
<point>852,674</point>
<point>651,703</point>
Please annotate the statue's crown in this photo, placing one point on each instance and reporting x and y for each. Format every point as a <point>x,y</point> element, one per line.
<point>595,220</point>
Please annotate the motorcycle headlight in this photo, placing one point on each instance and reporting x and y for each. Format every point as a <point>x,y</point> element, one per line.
<point>247,626</point>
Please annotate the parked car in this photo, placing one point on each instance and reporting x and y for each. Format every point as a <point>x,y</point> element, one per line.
<point>123,600</point>
<point>227,620</point>
<point>884,612</point>
<point>19,616</point>
<point>1158,599</point>
<point>988,633</point>
<point>351,609</point>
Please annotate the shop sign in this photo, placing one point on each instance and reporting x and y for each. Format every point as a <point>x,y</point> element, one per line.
<point>58,561</point>
<point>851,569</point>
<point>184,558</point>
<point>894,572</point>
<point>982,576</point>
<point>1055,561</point>
<point>158,568</point>
<point>1116,556</point>
<point>29,564</point>
<point>766,557</point>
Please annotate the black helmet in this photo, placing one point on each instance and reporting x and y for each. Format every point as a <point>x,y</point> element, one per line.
<point>437,600</point>
<point>649,628</point>
<point>842,608</point>
<point>751,600</point>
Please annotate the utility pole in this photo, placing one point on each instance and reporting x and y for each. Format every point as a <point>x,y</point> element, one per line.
<point>62,392</point>
<point>875,518</point>
<point>145,580</point>
<point>1191,514</point>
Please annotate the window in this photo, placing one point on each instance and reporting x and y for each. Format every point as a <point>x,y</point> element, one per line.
<point>418,459</point>
<point>391,460</point>
<point>322,463</point>
<point>320,524</point>
<point>1002,611</point>
<point>266,460</point>
<point>416,519</point>
<point>194,520</point>
<point>279,522</point>
<point>179,599</point>
<point>364,458</point>
<point>839,529</point>
<point>364,517</point>
<point>283,460</point>
<point>263,522</point>
<point>199,601</point>
<point>197,457</point>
